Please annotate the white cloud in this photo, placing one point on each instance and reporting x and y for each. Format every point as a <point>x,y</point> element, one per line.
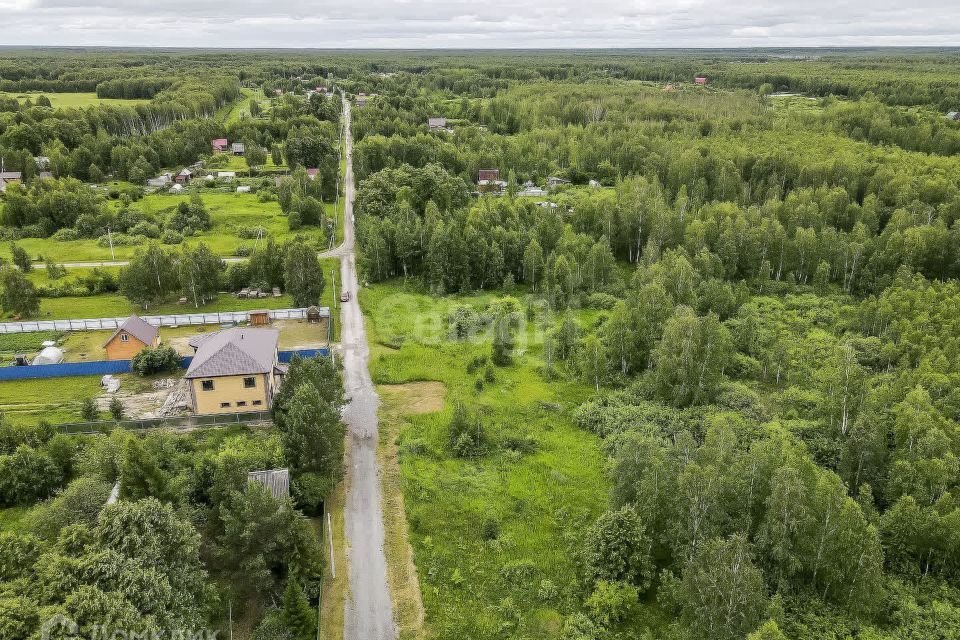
<point>493,23</point>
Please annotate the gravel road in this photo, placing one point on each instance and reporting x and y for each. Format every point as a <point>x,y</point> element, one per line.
<point>369,612</point>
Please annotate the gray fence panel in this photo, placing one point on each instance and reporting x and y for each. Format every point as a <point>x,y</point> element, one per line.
<point>94,324</point>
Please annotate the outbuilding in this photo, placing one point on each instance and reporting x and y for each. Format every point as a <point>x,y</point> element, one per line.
<point>130,338</point>
<point>259,318</point>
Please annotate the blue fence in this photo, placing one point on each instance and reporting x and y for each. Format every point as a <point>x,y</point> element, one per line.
<point>104,367</point>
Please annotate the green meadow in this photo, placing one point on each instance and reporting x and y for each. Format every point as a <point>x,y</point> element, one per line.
<point>488,533</point>
<point>73,100</point>
<point>229,213</point>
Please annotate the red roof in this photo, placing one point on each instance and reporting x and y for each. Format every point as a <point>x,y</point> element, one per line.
<point>313,172</point>
<point>489,174</point>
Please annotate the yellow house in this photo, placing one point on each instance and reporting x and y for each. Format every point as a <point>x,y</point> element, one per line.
<point>131,338</point>
<point>234,370</point>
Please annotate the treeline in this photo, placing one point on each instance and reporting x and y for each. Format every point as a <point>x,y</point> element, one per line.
<point>410,225</point>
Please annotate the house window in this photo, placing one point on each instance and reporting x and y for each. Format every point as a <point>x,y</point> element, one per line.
<point>207,385</point>
<point>249,383</point>
<point>224,405</point>
<point>124,337</point>
<point>241,403</point>
<point>257,403</point>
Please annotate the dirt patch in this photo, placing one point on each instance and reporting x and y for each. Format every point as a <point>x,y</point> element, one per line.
<point>169,397</point>
<point>413,398</point>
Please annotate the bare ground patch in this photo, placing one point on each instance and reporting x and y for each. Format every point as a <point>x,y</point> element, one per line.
<point>413,398</point>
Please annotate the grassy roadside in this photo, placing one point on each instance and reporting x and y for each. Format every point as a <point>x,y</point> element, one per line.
<point>335,589</point>
<point>402,576</point>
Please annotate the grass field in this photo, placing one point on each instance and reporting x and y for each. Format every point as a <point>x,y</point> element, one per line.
<point>228,211</point>
<point>115,305</point>
<point>72,100</point>
<point>55,400</point>
<point>473,587</point>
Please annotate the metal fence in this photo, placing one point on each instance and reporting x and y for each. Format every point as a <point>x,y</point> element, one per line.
<point>172,320</point>
<point>104,367</point>
<point>172,422</point>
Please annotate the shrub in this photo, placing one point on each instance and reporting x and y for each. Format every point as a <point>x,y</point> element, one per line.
<point>611,602</point>
<point>80,503</point>
<point>116,408</point>
<point>517,572</point>
<point>600,301</point>
<point>490,529</point>
<point>66,235</point>
<point>579,627</point>
<point>147,229</point>
<point>309,490</point>
<point>156,360</point>
<point>88,410</point>
<point>548,591</point>
<point>618,549</point>
<point>171,237</point>
<point>467,436</point>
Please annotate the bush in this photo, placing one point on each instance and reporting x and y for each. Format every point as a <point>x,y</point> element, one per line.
<point>309,490</point>
<point>548,591</point>
<point>158,360</point>
<point>489,529</point>
<point>147,229</point>
<point>611,602</point>
<point>579,627</point>
<point>600,301</point>
<point>116,408</point>
<point>618,550</point>
<point>88,410</point>
<point>171,237</point>
<point>80,503</point>
<point>467,436</point>
<point>66,235</point>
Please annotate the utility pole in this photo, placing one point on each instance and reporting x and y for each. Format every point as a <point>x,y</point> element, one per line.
<point>110,240</point>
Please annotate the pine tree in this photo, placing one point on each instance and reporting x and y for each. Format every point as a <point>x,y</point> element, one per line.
<point>296,613</point>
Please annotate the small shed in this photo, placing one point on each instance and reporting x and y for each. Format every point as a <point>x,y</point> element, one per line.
<point>259,318</point>
<point>238,148</point>
<point>277,481</point>
<point>700,80</point>
<point>314,315</point>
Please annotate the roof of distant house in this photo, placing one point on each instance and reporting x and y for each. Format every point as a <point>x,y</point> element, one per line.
<point>238,146</point>
<point>220,142</point>
<point>313,172</point>
<point>11,175</point>
<point>437,122</point>
<point>277,481</point>
<point>185,172</point>
<point>234,352</point>
<point>138,328</point>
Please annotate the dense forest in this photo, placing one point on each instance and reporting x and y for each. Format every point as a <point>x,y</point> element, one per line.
<point>774,349</point>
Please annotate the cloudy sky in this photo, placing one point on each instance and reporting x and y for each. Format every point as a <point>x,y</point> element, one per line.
<point>479,23</point>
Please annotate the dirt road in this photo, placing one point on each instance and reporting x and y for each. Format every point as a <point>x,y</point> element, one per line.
<point>369,611</point>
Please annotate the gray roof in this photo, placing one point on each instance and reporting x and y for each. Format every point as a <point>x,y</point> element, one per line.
<point>11,175</point>
<point>276,480</point>
<point>234,352</point>
<point>138,328</point>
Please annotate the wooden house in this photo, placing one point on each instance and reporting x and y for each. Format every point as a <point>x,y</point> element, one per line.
<point>130,338</point>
